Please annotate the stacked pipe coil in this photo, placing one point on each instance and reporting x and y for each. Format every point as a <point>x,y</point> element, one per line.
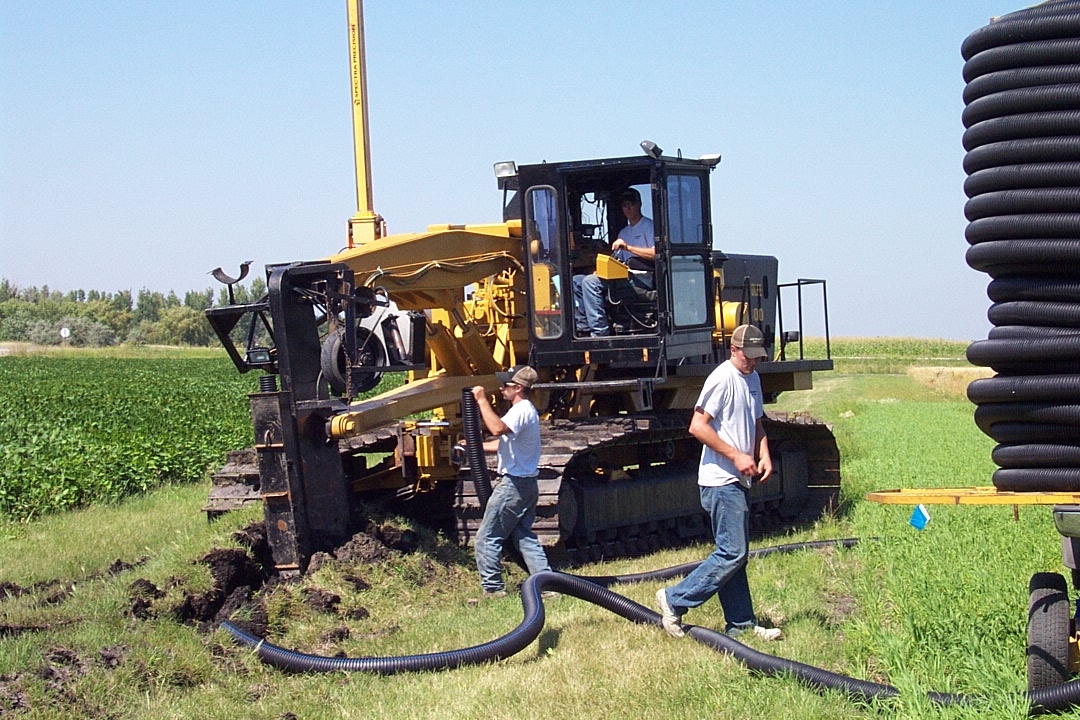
<point>1022,120</point>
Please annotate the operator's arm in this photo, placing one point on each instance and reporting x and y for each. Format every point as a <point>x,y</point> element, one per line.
<point>648,253</point>
<point>701,429</point>
<point>492,421</point>
<point>761,442</point>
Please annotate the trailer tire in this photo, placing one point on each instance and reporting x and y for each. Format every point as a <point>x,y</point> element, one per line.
<point>1048,631</point>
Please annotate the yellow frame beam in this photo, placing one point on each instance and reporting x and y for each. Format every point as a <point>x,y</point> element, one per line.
<point>365,226</point>
<point>970,496</point>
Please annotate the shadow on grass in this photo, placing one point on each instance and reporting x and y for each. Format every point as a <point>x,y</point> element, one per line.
<point>548,641</point>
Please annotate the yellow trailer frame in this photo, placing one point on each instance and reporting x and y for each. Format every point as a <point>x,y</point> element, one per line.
<point>970,496</point>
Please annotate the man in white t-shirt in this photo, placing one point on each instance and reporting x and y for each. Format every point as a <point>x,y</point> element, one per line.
<point>635,247</point>
<point>727,421</point>
<point>511,509</point>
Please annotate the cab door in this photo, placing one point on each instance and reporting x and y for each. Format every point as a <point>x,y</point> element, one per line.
<point>550,296</point>
<point>687,239</point>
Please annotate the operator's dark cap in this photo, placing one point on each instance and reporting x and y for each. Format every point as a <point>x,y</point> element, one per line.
<point>630,195</point>
<point>522,375</point>
<point>750,340</point>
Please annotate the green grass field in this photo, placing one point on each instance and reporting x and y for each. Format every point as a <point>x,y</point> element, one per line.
<point>942,609</point>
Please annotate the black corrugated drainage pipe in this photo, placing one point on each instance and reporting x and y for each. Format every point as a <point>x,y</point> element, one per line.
<point>474,446</point>
<point>594,590</point>
<point>1022,120</point>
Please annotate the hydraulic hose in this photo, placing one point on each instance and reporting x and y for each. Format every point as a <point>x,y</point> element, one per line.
<point>593,590</point>
<point>474,446</point>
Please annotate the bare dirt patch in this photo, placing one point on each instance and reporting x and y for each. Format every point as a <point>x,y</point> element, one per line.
<point>16,630</point>
<point>320,600</point>
<point>236,576</point>
<point>376,543</point>
<point>13,698</point>
<point>243,579</point>
<point>949,381</point>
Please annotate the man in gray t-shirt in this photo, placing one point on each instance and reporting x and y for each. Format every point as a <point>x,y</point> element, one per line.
<point>635,247</point>
<point>511,509</point>
<point>727,421</point>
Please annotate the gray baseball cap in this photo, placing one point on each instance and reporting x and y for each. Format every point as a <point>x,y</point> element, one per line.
<point>522,375</point>
<point>750,340</point>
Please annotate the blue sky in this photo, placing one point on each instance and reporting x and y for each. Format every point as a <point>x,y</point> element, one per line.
<point>144,143</point>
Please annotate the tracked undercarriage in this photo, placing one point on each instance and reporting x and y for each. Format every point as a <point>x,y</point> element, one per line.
<point>609,487</point>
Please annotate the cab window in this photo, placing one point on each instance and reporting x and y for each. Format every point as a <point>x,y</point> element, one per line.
<point>689,296</point>
<point>685,225</point>
<point>542,215</point>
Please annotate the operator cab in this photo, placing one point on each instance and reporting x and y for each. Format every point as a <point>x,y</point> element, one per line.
<point>572,214</point>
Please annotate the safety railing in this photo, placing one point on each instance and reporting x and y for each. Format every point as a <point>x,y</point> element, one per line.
<point>788,337</point>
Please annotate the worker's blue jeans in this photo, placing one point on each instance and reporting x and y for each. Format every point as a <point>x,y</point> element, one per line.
<point>590,317</point>
<point>509,515</point>
<point>590,302</point>
<point>723,573</point>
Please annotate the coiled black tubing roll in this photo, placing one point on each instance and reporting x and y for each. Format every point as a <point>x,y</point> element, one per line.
<point>1022,138</point>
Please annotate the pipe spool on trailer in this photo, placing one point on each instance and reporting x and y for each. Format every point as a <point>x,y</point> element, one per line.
<point>451,306</point>
<point>1022,120</point>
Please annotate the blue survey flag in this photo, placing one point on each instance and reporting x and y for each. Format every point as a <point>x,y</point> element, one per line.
<point>919,517</point>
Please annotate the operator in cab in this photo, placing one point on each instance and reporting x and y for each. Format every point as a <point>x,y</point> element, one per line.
<point>636,248</point>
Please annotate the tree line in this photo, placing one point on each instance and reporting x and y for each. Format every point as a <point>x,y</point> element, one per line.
<point>94,318</point>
